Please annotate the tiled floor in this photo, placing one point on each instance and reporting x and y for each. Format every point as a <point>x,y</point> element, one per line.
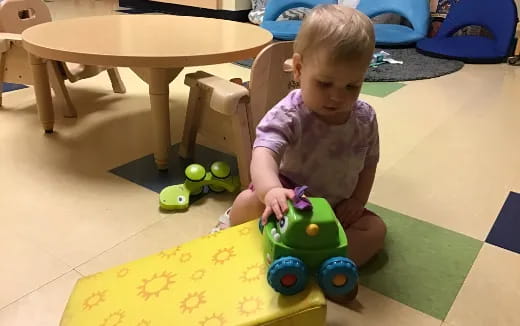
<point>449,157</point>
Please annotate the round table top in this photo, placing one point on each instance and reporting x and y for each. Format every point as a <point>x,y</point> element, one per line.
<point>158,41</point>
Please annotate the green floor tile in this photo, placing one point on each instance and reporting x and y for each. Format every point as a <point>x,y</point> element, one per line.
<point>422,266</point>
<point>381,89</point>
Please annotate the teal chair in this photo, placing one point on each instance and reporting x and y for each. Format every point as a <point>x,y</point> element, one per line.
<point>417,12</point>
<point>286,29</point>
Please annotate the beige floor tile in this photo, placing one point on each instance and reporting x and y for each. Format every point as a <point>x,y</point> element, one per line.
<point>516,185</point>
<point>464,169</point>
<point>174,229</point>
<point>375,309</point>
<point>63,183</point>
<point>410,115</point>
<point>43,307</point>
<point>25,265</point>
<point>490,294</point>
<point>89,216</point>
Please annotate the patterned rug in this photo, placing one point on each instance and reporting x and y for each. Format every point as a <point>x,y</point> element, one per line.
<point>415,66</point>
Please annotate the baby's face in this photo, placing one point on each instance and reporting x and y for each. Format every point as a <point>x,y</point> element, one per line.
<point>330,89</point>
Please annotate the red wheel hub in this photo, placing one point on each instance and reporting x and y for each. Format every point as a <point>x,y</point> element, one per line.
<point>288,280</point>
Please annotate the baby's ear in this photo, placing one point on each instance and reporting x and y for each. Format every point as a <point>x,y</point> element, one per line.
<point>297,66</point>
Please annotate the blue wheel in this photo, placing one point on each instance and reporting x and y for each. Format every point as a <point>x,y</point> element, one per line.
<point>337,276</point>
<point>287,275</point>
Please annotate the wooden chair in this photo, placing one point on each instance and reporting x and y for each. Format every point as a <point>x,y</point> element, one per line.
<point>15,17</point>
<point>228,113</point>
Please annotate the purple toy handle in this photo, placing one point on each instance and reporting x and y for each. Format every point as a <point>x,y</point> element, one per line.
<point>299,201</point>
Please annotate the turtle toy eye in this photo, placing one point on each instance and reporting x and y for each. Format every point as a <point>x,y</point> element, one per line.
<point>283,223</point>
<point>181,199</point>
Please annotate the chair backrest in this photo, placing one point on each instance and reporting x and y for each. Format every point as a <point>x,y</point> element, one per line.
<point>274,8</point>
<point>416,11</point>
<point>269,82</point>
<point>498,16</point>
<point>18,15</point>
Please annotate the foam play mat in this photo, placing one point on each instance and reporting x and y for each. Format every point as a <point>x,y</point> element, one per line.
<point>422,264</point>
<point>215,280</point>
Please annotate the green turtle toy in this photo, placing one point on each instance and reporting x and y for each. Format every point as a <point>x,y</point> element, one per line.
<point>218,179</point>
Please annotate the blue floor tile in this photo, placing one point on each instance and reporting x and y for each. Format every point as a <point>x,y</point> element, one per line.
<point>7,87</point>
<point>144,172</point>
<point>505,233</point>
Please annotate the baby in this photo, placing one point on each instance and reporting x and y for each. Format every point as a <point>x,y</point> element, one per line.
<point>321,135</point>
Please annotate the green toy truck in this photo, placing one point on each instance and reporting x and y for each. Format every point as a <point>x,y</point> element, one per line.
<point>308,242</point>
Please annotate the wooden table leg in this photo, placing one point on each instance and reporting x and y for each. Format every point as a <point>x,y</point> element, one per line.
<point>42,89</point>
<point>158,80</point>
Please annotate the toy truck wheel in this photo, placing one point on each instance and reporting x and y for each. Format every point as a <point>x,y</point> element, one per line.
<point>337,276</point>
<point>287,275</point>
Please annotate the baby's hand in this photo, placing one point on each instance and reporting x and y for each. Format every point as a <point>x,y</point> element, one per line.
<point>275,201</point>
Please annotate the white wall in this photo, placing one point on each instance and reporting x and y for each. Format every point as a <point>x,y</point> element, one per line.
<point>238,4</point>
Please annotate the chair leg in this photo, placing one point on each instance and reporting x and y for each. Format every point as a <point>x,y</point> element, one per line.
<point>191,123</point>
<point>63,101</point>
<point>242,143</point>
<point>117,83</point>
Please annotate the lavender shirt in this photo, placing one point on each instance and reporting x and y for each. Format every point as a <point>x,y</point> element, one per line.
<point>327,158</point>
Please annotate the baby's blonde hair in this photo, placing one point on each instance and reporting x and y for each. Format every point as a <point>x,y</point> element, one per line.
<point>342,31</point>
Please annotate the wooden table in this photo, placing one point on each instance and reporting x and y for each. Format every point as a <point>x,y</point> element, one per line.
<point>155,47</point>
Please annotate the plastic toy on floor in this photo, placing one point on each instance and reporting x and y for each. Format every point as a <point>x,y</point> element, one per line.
<point>218,179</point>
<point>308,240</point>
<point>382,57</point>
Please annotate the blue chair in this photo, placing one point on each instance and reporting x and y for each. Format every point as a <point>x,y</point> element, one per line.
<point>499,17</point>
<point>417,12</point>
<point>286,29</point>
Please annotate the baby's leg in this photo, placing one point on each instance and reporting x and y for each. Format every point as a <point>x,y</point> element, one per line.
<point>365,237</point>
<point>246,207</point>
